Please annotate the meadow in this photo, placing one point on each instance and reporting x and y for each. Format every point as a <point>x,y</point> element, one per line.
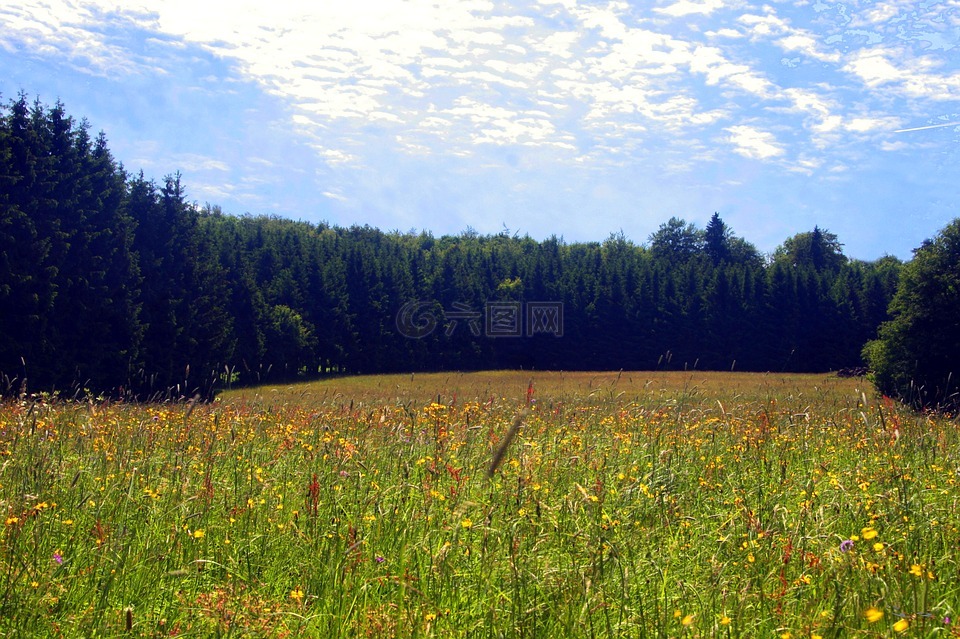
<point>502,504</point>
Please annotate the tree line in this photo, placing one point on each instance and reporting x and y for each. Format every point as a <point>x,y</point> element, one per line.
<point>114,283</point>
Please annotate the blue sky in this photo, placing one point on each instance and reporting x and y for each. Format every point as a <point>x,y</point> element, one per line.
<point>575,118</point>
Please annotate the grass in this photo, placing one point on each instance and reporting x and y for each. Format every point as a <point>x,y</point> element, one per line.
<point>626,505</point>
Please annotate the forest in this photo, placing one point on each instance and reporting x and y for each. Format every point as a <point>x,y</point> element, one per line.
<point>112,283</point>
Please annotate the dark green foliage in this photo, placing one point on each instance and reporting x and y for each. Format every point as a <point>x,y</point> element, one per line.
<point>819,250</point>
<point>917,352</point>
<point>115,283</point>
<point>677,241</point>
<point>68,280</point>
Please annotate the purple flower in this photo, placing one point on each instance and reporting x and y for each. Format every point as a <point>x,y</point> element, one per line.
<point>946,621</point>
<point>380,559</point>
<point>846,544</point>
<point>57,557</point>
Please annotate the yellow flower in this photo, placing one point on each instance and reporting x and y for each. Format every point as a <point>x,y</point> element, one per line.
<point>430,616</point>
<point>878,547</point>
<point>725,620</point>
<point>873,615</point>
<point>869,533</point>
<point>901,626</point>
<point>467,523</point>
<point>916,570</point>
<point>786,635</point>
<point>686,621</point>
<point>297,595</point>
<point>198,534</point>
<point>12,520</point>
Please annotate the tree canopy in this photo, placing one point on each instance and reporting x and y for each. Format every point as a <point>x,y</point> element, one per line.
<point>917,354</point>
<point>115,283</point>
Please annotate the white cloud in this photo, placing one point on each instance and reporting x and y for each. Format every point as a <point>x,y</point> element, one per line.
<point>193,162</point>
<point>59,29</point>
<point>753,143</point>
<point>786,36</point>
<point>559,44</point>
<point>682,8</point>
<point>335,196</point>
<point>867,124</point>
<point>725,33</point>
<point>883,11</point>
<point>711,62</point>
<point>807,45</point>
<point>896,71</point>
<point>603,79</point>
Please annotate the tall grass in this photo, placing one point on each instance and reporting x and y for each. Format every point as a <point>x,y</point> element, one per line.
<point>626,505</point>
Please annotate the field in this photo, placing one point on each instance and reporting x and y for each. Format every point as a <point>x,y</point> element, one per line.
<point>505,504</point>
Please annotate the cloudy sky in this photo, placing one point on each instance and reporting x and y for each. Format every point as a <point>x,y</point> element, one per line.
<point>575,118</point>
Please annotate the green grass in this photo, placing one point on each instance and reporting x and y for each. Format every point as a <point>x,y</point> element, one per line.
<point>628,505</point>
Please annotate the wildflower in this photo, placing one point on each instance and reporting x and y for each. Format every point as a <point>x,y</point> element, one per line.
<point>467,523</point>
<point>686,621</point>
<point>869,533</point>
<point>878,547</point>
<point>916,570</point>
<point>873,615</point>
<point>198,534</point>
<point>725,620</point>
<point>296,594</point>
<point>12,520</point>
<point>57,557</point>
<point>901,626</point>
<point>846,545</point>
<point>380,559</point>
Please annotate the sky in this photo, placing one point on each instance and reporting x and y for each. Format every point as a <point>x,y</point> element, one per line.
<point>567,118</point>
